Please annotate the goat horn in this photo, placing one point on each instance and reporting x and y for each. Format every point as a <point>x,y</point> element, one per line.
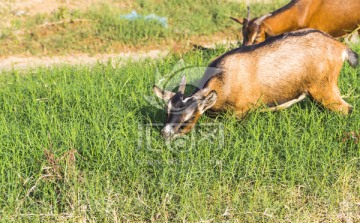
<point>182,85</point>
<point>248,13</point>
<point>261,19</point>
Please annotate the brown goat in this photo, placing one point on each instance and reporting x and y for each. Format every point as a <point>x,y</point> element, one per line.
<point>278,73</point>
<point>335,17</point>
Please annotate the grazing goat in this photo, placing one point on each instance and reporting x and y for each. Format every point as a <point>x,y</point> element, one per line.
<point>335,17</point>
<point>278,73</point>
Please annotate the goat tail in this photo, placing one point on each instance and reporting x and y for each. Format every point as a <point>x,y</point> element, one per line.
<point>352,58</point>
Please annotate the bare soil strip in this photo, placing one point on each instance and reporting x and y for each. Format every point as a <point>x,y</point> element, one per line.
<point>20,62</point>
<point>23,62</point>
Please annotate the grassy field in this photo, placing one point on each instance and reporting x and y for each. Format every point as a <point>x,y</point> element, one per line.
<point>83,143</point>
<point>101,29</point>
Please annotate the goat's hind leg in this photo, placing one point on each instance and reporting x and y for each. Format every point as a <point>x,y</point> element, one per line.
<point>330,98</point>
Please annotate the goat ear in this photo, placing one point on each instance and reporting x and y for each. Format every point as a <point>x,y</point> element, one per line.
<point>238,20</point>
<point>208,101</point>
<point>163,94</point>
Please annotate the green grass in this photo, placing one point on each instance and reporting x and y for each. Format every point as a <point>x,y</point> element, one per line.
<point>102,30</point>
<point>77,143</point>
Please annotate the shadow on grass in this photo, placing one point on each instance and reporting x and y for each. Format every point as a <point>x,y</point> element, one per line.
<point>150,114</point>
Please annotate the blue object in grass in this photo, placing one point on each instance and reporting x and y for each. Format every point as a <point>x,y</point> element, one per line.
<point>132,16</point>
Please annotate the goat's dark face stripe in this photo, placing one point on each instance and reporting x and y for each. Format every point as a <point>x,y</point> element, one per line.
<point>189,124</point>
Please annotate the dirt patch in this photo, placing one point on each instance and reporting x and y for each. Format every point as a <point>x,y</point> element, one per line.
<point>18,54</point>
<point>121,53</point>
<point>33,7</point>
<point>117,59</point>
<point>23,62</point>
